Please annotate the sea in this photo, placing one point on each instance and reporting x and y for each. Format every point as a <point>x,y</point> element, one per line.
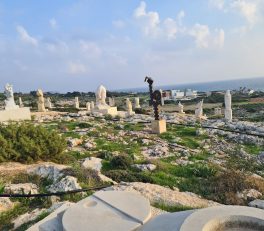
<point>256,84</point>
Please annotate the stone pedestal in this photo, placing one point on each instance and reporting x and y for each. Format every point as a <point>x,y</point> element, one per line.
<point>228,115</point>
<point>106,111</point>
<point>16,114</point>
<point>158,126</point>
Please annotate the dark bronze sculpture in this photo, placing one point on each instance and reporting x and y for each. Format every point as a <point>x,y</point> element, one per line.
<point>155,97</point>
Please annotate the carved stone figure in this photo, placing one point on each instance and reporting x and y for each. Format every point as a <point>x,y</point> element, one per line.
<point>228,106</point>
<point>41,101</point>
<point>101,97</point>
<point>199,110</point>
<point>48,103</point>
<point>9,94</point>
<point>88,106</point>
<point>137,105</point>
<point>20,102</point>
<point>76,103</point>
<point>180,108</point>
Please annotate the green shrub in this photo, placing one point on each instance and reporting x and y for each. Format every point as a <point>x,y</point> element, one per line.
<point>27,143</point>
<point>121,162</point>
<point>128,176</point>
<point>84,125</point>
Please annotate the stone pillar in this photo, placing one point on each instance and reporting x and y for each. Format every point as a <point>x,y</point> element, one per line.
<point>20,102</point>
<point>48,103</point>
<point>199,110</point>
<point>88,106</point>
<point>92,105</point>
<point>41,101</point>
<point>76,103</point>
<point>180,108</point>
<point>137,104</point>
<point>129,107</point>
<point>228,106</point>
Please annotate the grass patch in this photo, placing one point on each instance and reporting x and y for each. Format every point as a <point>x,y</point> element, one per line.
<point>172,208</point>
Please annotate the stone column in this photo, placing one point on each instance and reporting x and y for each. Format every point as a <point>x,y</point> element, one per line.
<point>76,103</point>
<point>20,102</point>
<point>228,106</point>
<point>92,105</point>
<point>137,105</point>
<point>88,106</point>
<point>180,108</point>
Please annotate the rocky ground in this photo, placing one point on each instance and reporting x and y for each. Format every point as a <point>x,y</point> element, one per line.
<point>187,167</point>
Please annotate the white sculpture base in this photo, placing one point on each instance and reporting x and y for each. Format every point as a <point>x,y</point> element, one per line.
<point>158,126</point>
<point>16,114</point>
<point>228,115</point>
<point>106,111</point>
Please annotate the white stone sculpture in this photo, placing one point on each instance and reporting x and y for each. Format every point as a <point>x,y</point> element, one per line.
<point>180,108</point>
<point>48,103</point>
<point>76,103</point>
<point>199,110</point>
<point>111,102</point>
<point>101,97</point>
<point>20,102</point>
<point>228,106</point>
<point>41,101</point>
<point>137,104</point>
<point>101,106</point>
<point>88,106</point>
<point>92,105</point>
<point>9,94</point>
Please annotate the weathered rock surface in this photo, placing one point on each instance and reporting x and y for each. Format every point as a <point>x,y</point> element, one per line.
<point>159,194</point>
<point>26,188</point>
<point>67,183</point>
<point>5,204</point>
<point>93,163</point>
<point>49,170</point>
<point>145,167</point>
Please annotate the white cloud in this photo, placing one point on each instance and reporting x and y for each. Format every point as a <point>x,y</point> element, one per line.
<point>170,28</point>
<point>217,3</point>
<point>25,37</point>
<point>91,49</point>
<point>149,20</point>
<point>204,38</point>
<point>53,23</point>
<point>119,24</point>
<point>180,17</point>
<point>247,9</point>
<point>77,68</point>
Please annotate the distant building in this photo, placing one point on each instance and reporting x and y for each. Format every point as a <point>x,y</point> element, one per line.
<point>177,94</point>
<point>190,93</point>
<point>166,95</point>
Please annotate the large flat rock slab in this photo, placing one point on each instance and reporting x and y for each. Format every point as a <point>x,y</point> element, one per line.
<point>108,211</point>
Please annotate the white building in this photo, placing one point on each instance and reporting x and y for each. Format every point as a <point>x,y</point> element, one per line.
<point>190,93</point>
<point>177,94</point>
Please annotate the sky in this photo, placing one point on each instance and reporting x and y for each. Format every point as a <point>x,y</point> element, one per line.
<point>76,45</point>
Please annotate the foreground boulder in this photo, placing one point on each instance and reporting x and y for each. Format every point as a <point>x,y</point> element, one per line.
<point>5,204</point>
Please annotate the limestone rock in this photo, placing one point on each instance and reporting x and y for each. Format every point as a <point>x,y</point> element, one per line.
<point>73,142</point>
<point>249,194</point>
<point>145,167</point>
<point>67,183</point>
<point>26,188</point>
<point>51,171</point>
<point>160,194</point>
<point>93,163</point>
<point>5,204</point>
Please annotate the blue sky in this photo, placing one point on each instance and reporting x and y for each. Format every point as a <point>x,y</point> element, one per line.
<point>68,45</point>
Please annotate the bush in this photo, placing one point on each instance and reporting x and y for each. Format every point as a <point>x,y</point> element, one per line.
<point>128,176</point>
<point>27,143</point>
<point>121,162</point>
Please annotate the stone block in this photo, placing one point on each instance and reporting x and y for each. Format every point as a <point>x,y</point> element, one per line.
<point>16,114</point>
<point>158,126</point>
